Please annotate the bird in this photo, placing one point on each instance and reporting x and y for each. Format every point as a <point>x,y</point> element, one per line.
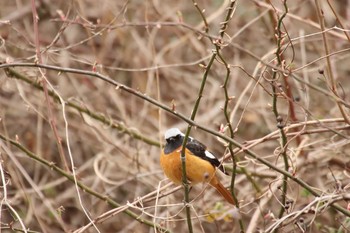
<point>201,164</point>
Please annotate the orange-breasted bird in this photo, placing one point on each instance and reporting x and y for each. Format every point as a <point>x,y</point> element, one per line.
<point>200,163</point>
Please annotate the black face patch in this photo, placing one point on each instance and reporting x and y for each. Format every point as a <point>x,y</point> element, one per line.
<point>173,143</point>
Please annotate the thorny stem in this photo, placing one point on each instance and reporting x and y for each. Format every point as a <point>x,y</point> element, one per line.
<point>183,155</point>
<point>231,10</point>
<point>195,109</point>
<point>287,87</point>
<point>227,118</point>
<point>229,125</point>
<point>279,120</point>
<point>201,13</point>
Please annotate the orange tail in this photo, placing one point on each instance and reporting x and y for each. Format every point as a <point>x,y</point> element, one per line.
<point>222,190</point>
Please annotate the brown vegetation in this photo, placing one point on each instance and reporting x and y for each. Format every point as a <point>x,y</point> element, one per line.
<point>89,87</point>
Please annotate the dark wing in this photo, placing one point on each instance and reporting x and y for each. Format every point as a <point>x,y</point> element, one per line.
<point>200,150</point>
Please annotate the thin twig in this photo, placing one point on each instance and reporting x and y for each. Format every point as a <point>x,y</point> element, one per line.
<point>331,80</point>
<point>339,21</point>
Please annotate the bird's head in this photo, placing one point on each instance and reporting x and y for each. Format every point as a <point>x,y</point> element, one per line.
<point>173,134</point>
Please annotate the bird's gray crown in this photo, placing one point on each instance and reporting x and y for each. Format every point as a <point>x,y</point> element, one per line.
<point>173,132</point>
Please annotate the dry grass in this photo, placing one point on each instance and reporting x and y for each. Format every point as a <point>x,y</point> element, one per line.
<point>288,112</point>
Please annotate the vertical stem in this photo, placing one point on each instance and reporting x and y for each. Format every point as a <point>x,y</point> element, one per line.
<point>279,120</point>
<point>52,119</point>
<point>231,9</point>
<point>279,37</point>
<point>196,105</point>
<point>183,155</point>
<point>228,122</point>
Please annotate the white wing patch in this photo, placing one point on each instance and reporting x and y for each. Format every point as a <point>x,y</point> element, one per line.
<point>209,155</point>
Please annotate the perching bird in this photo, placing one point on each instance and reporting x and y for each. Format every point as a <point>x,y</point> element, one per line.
<point>200,163</point>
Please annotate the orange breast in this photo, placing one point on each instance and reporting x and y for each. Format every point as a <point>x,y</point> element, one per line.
<point>197,169</point>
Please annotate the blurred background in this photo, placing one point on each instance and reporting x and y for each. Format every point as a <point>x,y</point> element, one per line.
<point>161,50</point>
